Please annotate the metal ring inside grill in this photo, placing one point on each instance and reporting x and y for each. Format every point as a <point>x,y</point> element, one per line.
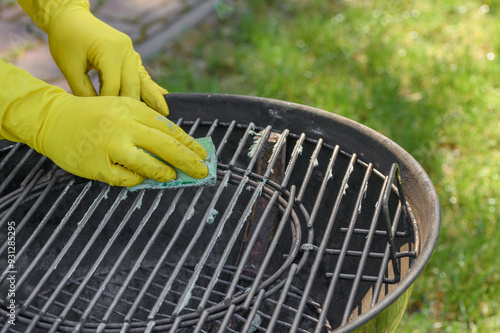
<point>298,234</point>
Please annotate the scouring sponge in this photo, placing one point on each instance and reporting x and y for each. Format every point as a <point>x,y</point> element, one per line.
<point>183,180</point>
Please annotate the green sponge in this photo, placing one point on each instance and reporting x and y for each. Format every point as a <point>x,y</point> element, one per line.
<point>183,180</point>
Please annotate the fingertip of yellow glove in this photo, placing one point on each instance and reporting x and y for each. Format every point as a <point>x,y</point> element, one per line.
<point>123,177</point>
<point>198,169</point>
<point>197,148</point>
<point>164,174</point>
<point>163,108</point>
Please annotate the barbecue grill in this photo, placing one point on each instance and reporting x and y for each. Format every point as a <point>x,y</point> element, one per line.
<point>316,224</point>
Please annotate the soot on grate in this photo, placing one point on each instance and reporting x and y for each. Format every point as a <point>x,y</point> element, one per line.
<point>297,235</point>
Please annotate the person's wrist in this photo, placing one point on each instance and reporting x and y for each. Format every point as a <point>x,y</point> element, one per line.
<point>56,101</point>
<point>65,11</point>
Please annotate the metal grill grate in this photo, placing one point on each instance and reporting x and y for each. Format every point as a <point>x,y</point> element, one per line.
<point>297,235</point>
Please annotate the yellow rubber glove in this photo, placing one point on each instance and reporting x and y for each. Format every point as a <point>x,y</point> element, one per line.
<point>99,138</point>
<point>80,42</point>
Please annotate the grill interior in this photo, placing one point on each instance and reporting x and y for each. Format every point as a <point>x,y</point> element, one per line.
<point>298,234</point>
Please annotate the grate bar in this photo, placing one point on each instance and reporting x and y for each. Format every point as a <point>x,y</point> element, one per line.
<point>168,285</point>
<point>227,317</point>
<point>312,165</point>
<point>118,230</point>
<point>281,300</point>
<point>38,229</point>
<point>319,197</point>
<point>237,153</point>
<point>201,321</point>
<point>297,150</point>
<point>194,126</point>
<point>162,258</point>
<point>23,249</point>
<point>13,148</point>
<point>20,199</point>
<point>345,245</point>
<point>16,169</point>
<point>278,147</point>
<point>212,127</point>
<point>385,262</point>
<point>324,241</point>
<point>222,144</point>
<point>187,251</point>
<point>232,240</point>
<point>361,265</point>
<point>255,307</point>
<point>352,253</point>
<point>184,299</point>
<point>63,252</point>
<point>175,326</point>
<point>142,293</point>
<point>33,171</point>
<point>362,231</point>
<point>7,200</point>
<point>261,143</point>
<point>251,243</point>
<point>271,249</point>
<point>28,215</point>
<point>120,259</point>
<point>144,252</point>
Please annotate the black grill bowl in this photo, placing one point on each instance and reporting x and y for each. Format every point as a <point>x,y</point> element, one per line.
<point>317,223</point>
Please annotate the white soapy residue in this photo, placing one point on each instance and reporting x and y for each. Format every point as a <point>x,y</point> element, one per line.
<point>273,113</point>
<point>190,213</point>
<point>345,189</point>
<point>256,142</point>
<point>351,168</point>
<point>124,196</point>
<point>330,174</point>
<point>257,320</point>
<point>186,300</point>
<point>308,247</point>
<point>105,196</point>
<point>282,135</point>
<point>349,171</point>
<point>213,214</point>
<point>262,186</point>
<point>364,196</point>
<point>300,150</point>
<point>252,130</point>
<point>139,201</point>
<point>87,213</point>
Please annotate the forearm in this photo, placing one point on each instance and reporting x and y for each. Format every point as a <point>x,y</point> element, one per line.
<point>41,11</point>
<point>21,96</point>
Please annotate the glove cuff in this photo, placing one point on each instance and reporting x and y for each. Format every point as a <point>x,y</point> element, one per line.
<point>41,12</point>
<point>25,103</point>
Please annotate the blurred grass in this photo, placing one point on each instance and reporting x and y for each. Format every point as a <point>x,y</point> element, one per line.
<point>424,73</point>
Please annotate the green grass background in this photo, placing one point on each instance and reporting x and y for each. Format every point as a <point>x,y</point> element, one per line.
<point>424,73</point>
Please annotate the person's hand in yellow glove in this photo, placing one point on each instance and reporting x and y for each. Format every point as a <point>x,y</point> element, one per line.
<point>101,138</point>
<point>80,42</point>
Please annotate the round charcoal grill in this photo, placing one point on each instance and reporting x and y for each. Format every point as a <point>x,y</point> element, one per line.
<point>316,224</point>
